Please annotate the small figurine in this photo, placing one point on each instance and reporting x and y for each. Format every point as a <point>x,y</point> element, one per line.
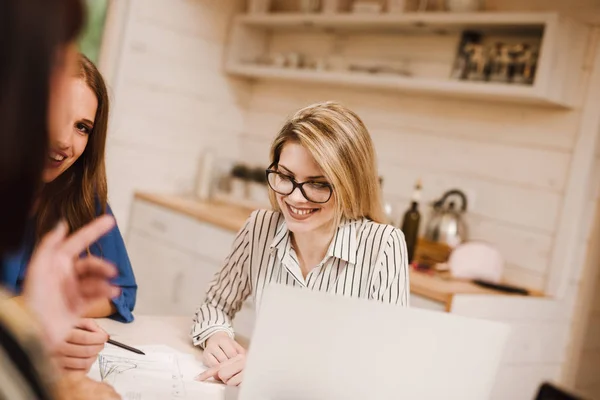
<point>477,61</point>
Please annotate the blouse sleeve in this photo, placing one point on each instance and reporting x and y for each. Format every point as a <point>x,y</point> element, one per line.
<point>111,247</point>
<point>227,292</point>
<point>391,283</point>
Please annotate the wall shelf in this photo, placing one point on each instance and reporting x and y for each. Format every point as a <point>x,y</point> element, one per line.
<point>416,21</point>
<point>254,36</point>
<point>447,88</point>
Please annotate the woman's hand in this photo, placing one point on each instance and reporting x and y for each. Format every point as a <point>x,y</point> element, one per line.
<point>82,346</point>
<point>230,372</point>
<point>60,286</point>
<point>219,348</point>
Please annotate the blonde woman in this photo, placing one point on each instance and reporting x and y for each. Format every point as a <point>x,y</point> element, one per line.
<point>325,233</point>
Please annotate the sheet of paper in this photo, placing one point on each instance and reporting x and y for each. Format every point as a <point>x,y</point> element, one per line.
<point>162,373</point>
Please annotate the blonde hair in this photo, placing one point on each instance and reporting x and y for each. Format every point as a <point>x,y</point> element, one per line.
<point>340,143</point>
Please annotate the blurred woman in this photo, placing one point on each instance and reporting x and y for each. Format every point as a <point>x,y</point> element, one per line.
<point>38,56</point>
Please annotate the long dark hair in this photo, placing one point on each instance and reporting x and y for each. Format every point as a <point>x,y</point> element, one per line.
<point>80,192</point>
<point>31,35</point>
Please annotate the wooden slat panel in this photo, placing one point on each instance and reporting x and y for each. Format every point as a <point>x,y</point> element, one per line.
<point>208,19</point>
<point>131,167</point>
<point>528,249</point>
<point>584,10</point>
<point>141,106</point>
<point>168,75</point>
<point>494,123</point>
<point>527,208</point>
<point>473,158</point>
<point>178,47</point>
<point>513,204</point>
<point>172,100</point>
<point>432,151</point>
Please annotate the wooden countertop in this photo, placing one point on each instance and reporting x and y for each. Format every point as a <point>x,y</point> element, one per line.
<point>232,217</point>
<point>226,216</point>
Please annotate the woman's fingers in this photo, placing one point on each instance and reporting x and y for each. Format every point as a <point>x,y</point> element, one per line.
<point>217,353</point>
<point>80,351</point>
<point>93,288</point>
<point>231,369</point>
<point>229,348</point>
<point>236,379</point>
<point>226,371</point>
<point>84,237</point>
<point>94,266</point>
<point>239,348</point>
<point>79,364</point>
<point>209,373</point>
<point>55,237</point>
<point>90,325</point>
<point>209,360</point>
<point>87,337</point>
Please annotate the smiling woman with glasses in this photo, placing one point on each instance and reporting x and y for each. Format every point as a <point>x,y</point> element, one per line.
<point>325,232</point>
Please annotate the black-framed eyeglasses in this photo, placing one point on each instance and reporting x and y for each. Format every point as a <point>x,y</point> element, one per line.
<point>315,192</point>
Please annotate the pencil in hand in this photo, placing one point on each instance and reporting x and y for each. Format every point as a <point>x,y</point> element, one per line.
<point>124,346</point>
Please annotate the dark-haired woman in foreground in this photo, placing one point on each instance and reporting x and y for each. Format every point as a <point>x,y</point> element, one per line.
<point>38,56</point>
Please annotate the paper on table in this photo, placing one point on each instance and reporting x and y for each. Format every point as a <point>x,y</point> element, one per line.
<point>163,373</point>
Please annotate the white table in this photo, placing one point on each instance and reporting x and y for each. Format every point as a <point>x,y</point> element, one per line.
<point>171,331</point>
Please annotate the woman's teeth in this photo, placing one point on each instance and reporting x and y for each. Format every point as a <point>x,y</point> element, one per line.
<point>56,156</point>
<point>300,211</point>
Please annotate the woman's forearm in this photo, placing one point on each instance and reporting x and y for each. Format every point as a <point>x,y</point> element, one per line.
<point>101,308</point>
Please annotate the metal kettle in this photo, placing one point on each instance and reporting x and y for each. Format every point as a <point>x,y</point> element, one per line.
<point>447,224</point>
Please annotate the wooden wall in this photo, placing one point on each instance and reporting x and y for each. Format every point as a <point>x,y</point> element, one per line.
<point>171,99</point>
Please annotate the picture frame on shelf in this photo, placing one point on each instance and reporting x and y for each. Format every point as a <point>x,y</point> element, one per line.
<point>258,6</point>
<point>485,59</point>
<point>335,6</point>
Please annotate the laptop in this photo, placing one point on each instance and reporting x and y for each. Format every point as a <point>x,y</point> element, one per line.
<point>312,345</point>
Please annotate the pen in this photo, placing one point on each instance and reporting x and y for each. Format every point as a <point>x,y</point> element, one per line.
<point>124,346</point>
<point>119,344</point>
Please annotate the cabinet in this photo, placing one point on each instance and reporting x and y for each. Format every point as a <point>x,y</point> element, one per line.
<point>175,258</point>
<point>419,301</point>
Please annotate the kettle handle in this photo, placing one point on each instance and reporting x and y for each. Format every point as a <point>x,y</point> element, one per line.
<point>449,193</point>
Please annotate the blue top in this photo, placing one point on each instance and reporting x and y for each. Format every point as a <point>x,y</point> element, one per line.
<point>109,247</point>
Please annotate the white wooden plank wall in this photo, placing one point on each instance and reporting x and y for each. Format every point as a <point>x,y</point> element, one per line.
<point>171,99</point>
<point>586,10</point>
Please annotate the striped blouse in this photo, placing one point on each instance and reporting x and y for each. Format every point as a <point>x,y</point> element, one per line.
<point>365,260</point>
